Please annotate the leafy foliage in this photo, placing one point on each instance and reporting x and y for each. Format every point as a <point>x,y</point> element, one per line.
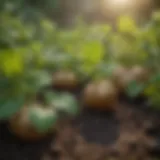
<point>134,89</point>
<point>152,90</point>
<point>30,52</point>
<point>144,50</point>
<point>10,106</point>
<point>21,64</point>
<point>32,49</point>
<point>29,10</point>
<point>63,102</point>
<point>42,119</point>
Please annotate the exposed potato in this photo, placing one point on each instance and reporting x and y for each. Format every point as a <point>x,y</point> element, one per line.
<point>65,80</point>
<point>139,73</point>
<point>121,76</point>
<point>102,95</point>
<point>21,126</point>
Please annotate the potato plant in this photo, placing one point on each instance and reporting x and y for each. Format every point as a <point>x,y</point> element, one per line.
<point>36,120</point>
<point>27,69</point>
<point>85,44</point>
<point>125,60</point>
<point>145,50</point>
<point>79,52</point>
<point>24,73</point>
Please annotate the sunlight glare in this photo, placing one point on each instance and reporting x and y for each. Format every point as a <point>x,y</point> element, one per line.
<point>120,2</point>
<point>134,8</point>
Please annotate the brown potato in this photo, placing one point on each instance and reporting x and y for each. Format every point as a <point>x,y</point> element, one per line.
<point>101,95</point>
<point>20,126</point>
<point>121,77</point>
<point>139,73</point>
<point>65,80</point>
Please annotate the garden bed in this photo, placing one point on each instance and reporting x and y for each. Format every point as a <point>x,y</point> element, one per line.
<point>96,64</point>
<point>130,132</point>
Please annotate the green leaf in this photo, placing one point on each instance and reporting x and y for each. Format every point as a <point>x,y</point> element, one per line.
<point>49,97</point>
<point>44,79</point>
<point>106,69</point>
<point>11,62</point>
<point>38,79</point>
<point>91,54</point>
<point>155,78</point>
<point>154,98</point>
<point>64,102</point>
<point>126,24</point>
<point>134,89</point>
<point>10,106</point>
<point>42,119</point>
<point>150,90</point>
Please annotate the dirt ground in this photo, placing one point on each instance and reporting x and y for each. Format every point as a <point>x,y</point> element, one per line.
<point>130,133</point>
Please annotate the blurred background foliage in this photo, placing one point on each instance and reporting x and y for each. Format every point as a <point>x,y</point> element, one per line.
<point>32,44</point>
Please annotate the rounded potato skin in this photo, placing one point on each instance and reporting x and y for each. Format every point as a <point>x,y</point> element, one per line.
<point>20,126</point>
<point>101,95</point>
<point>65,80</point>
<point>140,73</point>
<point>121,77</point>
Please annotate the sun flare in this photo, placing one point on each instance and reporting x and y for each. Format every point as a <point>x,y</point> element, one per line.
<point>134,8</point>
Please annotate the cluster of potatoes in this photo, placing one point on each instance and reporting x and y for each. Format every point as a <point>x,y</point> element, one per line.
<point>102,94</point>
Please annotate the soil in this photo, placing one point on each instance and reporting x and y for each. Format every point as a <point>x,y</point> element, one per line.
<point>132,132</point>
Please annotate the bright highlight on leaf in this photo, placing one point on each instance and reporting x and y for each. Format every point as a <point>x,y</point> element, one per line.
<point>42,119</point>
<point>126,25</point>
<point>63,102</point>
<point>11,62</point>
<point>91,53</point>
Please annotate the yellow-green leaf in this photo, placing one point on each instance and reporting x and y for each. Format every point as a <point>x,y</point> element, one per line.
<point>11,63</point>
<point>126,24</point>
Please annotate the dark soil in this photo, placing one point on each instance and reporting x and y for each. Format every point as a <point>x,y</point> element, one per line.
<point>132,132</point>
<point>100,136</point>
